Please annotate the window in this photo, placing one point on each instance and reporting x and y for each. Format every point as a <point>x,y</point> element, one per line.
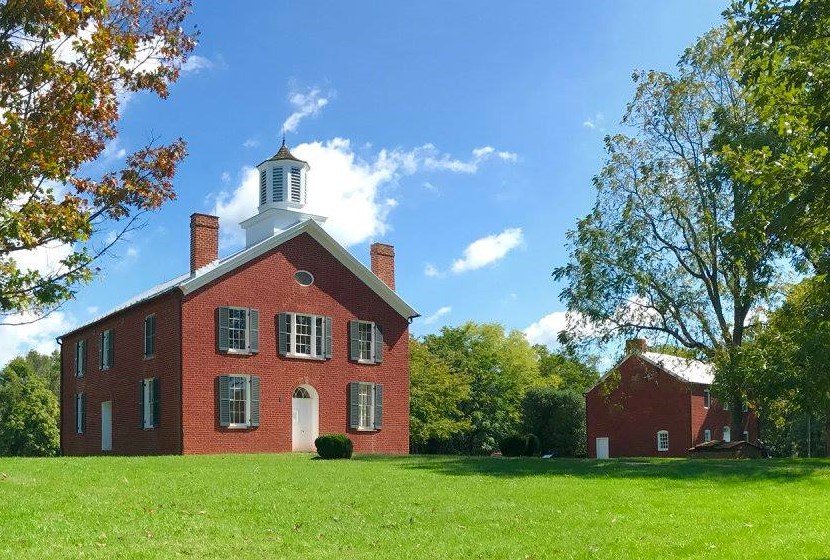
<point>707,398</point>
<point>238,330</point>
<point>662,440</point>
<point>262,185</point>
<point>304,336</point>
<point>746,436</point>
<point>726,405</point>
<point>80,358</point>
<point>149,336</point>
<point>149,395</point>
<point>276,184</point>
<point>707,435</point>
<point>745,407</point>
<point>107,349</point>
<point>296,192</point>
<point>365,406</point>
<point>303,278</point>
<point>238,401</point>
<point>365,342</point>
<point>727,434</point>
<point>80,413</point>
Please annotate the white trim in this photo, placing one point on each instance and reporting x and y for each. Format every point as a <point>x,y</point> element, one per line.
<point>247,385</point>
<point>372,342</point>
<point>370,387</point>
<point>707,398</point>
<point>707,435</point>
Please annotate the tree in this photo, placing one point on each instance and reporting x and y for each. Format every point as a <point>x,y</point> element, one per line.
<point>499,367</point>
<point>557,418</point>
<point>564,370</point>
<point>47,367</point>
<point>66,68</point>
<point>676,245</point>
<point>29,413</point>
<point>785,48</point>
<point>436,394</point>
<point>786,361</point>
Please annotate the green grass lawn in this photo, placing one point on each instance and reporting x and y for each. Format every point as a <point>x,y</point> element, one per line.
<point>290,506</point>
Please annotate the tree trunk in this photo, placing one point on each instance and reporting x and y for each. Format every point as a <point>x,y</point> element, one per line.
<point>827,434</point>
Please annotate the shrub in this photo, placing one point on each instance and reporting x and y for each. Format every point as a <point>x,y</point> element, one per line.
<point>513,445</point>
<point>334,446</point>
<point>29,413</point>
<point>557,417</point>
<point>531,445</point>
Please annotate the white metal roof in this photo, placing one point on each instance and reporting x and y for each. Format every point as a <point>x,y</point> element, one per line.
<point>190,282</point>
<point>693,371</point>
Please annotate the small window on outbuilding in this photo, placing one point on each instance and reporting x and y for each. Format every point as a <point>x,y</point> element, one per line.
<point>707,398</point>
<point>707,435</point>
<point>727,434</point>
<point>662,440</point>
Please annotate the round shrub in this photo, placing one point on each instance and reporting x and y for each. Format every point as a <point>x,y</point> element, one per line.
<point>513,446</point>
<point>334,446</point>
<point>532,446</point>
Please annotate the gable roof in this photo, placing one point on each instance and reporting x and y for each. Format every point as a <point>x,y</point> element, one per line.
<point>190,282</point>
<point>690,371</point>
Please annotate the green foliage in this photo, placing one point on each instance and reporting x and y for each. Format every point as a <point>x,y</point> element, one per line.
<point>334,446</point>
<point>436,393</point>
<point>497,368</point>
<point>557,417</point>
<point>47,367</point>
<point>565,371</point>
<point>28,413</point>
<point>514,445</point>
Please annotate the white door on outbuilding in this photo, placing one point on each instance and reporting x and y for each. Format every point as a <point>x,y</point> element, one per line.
<point>602,448</point>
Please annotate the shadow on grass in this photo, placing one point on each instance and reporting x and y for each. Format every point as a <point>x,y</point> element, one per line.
<point>738,471</point>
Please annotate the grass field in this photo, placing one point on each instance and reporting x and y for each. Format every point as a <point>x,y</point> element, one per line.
<point>291,506</point>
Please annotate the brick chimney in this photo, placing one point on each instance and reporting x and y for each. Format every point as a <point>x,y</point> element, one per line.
<point>383,263</point>
<point>636,346</point>
<point>204,240</point>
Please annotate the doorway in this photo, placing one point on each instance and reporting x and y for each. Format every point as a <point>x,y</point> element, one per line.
<point>106,426</point>
<point>602,448</point>
<point>304,418</point>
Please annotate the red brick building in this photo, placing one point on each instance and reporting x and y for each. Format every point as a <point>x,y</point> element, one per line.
<point>260,351</point>
<point>657,405</point>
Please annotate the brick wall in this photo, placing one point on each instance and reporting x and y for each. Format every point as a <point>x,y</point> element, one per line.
<point>630,408</point>
<point>267,284</point>
<point>715,418</point>
<point>119,384</point>
<point>383,262</point>
<point>204,240</point>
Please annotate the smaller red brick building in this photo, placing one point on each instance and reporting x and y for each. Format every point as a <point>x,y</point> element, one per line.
<point>259,351</point>
<point>658,405</point>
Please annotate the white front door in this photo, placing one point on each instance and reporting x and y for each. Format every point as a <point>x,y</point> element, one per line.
<point>106,426</point>
<point>302,436</point>
<point>602,448</point>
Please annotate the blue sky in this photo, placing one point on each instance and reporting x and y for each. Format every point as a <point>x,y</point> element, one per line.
<point>464,134</point>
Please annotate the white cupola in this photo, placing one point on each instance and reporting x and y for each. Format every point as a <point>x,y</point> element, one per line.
<point>282,197</point>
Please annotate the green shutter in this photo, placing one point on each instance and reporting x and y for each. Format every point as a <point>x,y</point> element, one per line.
<point>253,330</point>
<point>141,411</point>
<point>354,411</point>
<point>84,356</point>
<point>156,402</point>
<point>283,319</point>
<point>224,405</point>
<point>378,406</point>
<point>83,413</point>
<point>254,400</point>
<point>111,346</point>
<point>222,329</point>
<point>101,351</point>
<point>327,338</point>
<point>378,344</point>
<point>354,341</point>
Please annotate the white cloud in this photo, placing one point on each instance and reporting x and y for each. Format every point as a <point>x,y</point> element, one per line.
<point>226,177</point>
<point>17,339</point>
<point>444,162</point>
<point>432,271</point>
<point>112,151</point>
<point>597,122</point>
<point>196,64</point>
<point>306,104</point>
<point>92,309</point>
<point>488,250</point>
<point>250,143</point>
<point>546,330</point>
<point>45,259</point>
<point>437,315</point>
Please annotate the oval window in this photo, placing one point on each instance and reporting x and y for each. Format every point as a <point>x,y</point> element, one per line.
<point>303,278</point>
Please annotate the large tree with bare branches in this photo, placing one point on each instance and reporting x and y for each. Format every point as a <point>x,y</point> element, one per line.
<point>65,68</point>
<point>675,245</point>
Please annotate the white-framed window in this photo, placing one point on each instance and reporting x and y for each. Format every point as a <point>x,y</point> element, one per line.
<point>365,341</point>
<point>707,398</point>
<point>149,336</point>
<point>365,406</point>
<point>745,407</point>
<point>746,436</point>
<point>150,412</point>
<point>80,358</point>
<point>304,336</point>
<point>239,401</point>
<point>707,435</point>
<point>726,405</point>
<point>80,413</point>
<point>662,440</point>
<point>107,349</point>
<point>727,434</point>
<point>238,330</point>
